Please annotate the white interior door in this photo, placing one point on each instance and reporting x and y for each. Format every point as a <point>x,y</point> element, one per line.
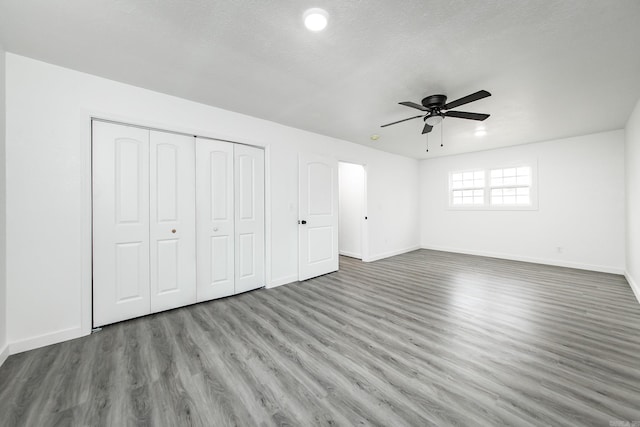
<point>318,220</point>
<point>172,220</point>
<point>249,217</point>
<point>215,219</point>
<point>120,163</point>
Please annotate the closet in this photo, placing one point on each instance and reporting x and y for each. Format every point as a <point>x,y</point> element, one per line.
<point>177,219</point>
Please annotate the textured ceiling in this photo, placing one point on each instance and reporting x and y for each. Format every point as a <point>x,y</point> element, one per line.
<point>555,68</point>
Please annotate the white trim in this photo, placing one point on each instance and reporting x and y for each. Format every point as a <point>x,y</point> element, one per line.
<point>390,254</point>
<point>633,284</point>
<point>267,216</point>
<point>282,281</point>
<point>4,354</point>
<point>350,254</point>
<point>568,264</point>
<point>86,230</point>
<point>45,339</point>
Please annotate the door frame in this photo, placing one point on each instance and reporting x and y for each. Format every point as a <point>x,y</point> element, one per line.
<point>364,237</point>
<point>85,129</point>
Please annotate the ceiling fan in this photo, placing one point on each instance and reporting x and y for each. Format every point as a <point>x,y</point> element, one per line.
<point>437,109</point>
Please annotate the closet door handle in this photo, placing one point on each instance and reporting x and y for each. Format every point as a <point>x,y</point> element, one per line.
<point>173,231</point>
<point>215,228</point>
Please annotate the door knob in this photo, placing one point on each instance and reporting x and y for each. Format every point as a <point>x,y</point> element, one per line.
<point>303,222</point>
<point>215,229</point>
<point>173,231</point>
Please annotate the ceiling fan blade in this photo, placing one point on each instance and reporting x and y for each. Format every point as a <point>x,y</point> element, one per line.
<point>466,115</point>
<point>467,99</point>
<point>427,128</point>
<point>400,121</point>
<point>413,105</point>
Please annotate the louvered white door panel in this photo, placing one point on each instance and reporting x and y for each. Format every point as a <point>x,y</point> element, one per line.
<point>215,219</point>
<point>120,165</point>
<point>172,220</point>
<point>249,218</point>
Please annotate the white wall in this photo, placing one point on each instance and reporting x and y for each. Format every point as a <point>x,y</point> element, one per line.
<point>632,177</point>
<point>3,238</point>
<point>581,205</point>
<point>351,178</point>
<point>48,188</point>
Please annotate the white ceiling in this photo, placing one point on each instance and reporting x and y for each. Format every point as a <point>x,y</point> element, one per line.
<point>555,68</point>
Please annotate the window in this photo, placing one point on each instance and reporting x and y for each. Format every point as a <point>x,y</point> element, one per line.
<point>467,188</point>
<point>511,186</point>
<point>495,188</point>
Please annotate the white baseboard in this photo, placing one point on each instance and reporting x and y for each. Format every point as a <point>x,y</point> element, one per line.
<point>390,254</point>
<point>4,353</point>
<point>351,254</point>
<point>44,340</point>
<point>569,264</point>
<point>634,285</point>
<point>281,281</point>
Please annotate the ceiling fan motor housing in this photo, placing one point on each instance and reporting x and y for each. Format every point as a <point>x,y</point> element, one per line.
<point>434,101</point>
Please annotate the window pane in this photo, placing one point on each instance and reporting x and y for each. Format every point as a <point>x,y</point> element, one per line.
<point>522,200</point>
<point>524,171</point>
<point>496,173</point>
<point>478,193</point>
<point>496,182</point>
<point>497,200</point>
<point>457,200</point>
<point>478,175</point>
<point>509,191</point>
<point>523,180</point>
<point>509,200</point>
<point>456,177</point>
<point>510,180</point>
<point>509,172</point>
<point>467,193</point>
<point>456,184</point>
<point>468,183</point>
<point>468,175</point>
<point>523,191</point>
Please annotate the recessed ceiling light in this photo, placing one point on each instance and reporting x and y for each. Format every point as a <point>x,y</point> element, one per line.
<point>315,19</point>
<point>375,137</point>
<point>481,132</point>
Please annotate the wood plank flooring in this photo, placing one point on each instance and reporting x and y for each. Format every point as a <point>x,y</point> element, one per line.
<point>424,338</point>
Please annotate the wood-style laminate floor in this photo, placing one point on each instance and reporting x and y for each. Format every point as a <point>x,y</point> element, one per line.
<point>424,338</point>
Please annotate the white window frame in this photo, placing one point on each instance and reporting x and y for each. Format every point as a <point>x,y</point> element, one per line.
<point>487,206</point>
<point>483,188</point>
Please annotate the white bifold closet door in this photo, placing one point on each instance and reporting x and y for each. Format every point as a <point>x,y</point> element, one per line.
<point>230,218</point>
<point>120,223</point>
<point>172,228</point>
<point>249,217</point>
<point>214,202</point>
<point>143,222</point>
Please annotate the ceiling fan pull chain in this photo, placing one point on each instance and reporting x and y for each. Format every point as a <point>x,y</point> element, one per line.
<point>441,134</point>
<point>427,142</point>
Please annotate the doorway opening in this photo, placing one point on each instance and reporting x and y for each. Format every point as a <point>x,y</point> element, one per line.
<point>353,216</point>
